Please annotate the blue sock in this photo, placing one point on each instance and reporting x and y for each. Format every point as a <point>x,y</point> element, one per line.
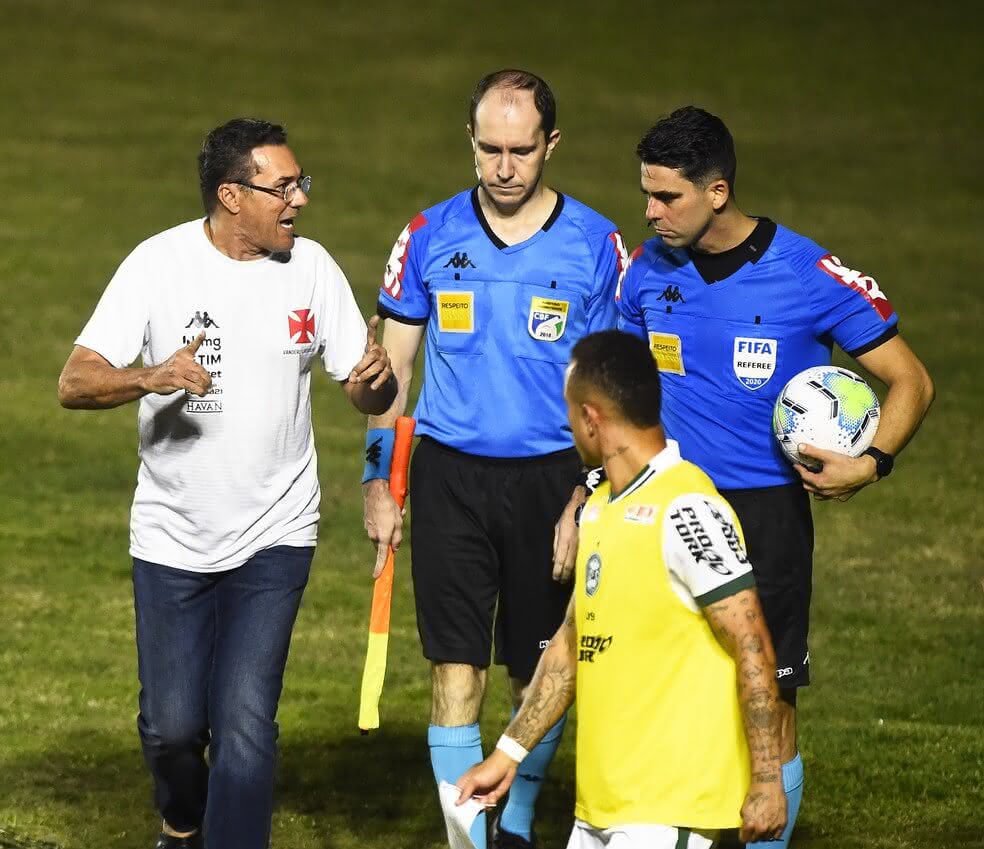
<point>517,817</point>
<point>455,750</point>
<point>792,783</point>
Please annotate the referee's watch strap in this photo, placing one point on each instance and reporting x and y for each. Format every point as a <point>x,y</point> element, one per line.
<point>884,462</point>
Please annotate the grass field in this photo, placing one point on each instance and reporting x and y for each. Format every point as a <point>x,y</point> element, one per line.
<point>857,123</point>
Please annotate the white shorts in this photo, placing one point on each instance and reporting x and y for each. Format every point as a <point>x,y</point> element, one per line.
<point>639,836</point>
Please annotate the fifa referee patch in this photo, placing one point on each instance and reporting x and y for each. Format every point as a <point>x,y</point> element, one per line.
<point>667,350</point>
<point>456,312</point>
<point>548,319</point>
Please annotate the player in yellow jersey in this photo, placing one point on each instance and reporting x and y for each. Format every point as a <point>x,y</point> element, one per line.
<point>664,640</point>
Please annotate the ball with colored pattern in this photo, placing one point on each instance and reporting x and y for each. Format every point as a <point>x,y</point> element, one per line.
<point>828,407</point>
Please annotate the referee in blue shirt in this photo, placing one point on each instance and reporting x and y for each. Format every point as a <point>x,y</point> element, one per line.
<point>503,279</point>
<point>732,307</point>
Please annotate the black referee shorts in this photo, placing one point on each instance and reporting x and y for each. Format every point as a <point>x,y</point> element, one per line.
<point>482,551</point>
<point>778,529</point>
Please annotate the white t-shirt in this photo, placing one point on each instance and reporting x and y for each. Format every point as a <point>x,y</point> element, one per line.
<point>225,476</point>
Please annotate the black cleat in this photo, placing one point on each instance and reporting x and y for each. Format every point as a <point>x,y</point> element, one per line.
<point>502,839</point>
<point>166,841</point>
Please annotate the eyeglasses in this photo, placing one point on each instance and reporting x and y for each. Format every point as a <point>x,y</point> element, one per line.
<point>285,193</point>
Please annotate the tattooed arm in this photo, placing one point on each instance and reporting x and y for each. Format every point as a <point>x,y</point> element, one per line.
<point>548,696</point>
<point>739,626</point>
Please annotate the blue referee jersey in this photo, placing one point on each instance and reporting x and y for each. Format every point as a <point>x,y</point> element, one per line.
<point>726,349</point>
<point>501,320</point>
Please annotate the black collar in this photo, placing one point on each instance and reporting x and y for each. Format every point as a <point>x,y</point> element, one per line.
<point>715,267</point>
<point>480,215</point>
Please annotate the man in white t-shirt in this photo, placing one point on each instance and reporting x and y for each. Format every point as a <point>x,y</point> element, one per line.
<point>229,314</point>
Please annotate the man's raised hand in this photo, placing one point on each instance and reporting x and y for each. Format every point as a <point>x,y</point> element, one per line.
<point>180,371</point>
<point>375,364</point>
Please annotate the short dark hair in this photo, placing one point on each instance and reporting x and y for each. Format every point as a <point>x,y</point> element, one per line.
<point>543,97</point>
<point>225,156</point>
<point>694,141</point>
<point>622,369</point>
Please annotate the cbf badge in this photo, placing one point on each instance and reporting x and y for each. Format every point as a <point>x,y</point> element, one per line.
<point>754,360</point>
<point>592,574</point>
<point>548,319</point>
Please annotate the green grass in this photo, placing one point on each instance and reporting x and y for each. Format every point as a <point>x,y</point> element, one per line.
<point>857,123</point>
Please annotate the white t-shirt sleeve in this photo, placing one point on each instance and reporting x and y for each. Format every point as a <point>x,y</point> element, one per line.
<point>343,340</point>
<point>703,548</point>
<point>118,327</point>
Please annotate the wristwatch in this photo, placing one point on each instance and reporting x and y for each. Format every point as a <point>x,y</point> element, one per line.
<point>884,463</point>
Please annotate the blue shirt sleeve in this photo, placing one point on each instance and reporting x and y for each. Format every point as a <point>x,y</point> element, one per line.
<point>404,294</point>
<point>849,306</point>
<point>610,266</point>
<point>630,316</point>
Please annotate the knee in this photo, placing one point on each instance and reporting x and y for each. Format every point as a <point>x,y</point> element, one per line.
<point>173,730</point>
<point>245,725</point>
<point>457,693</point>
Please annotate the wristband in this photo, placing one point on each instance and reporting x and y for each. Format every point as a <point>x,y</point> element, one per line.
<point>511,749</point>
<point>379,453</point>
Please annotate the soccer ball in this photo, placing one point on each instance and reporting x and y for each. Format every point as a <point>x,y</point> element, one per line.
<point>827,407</point>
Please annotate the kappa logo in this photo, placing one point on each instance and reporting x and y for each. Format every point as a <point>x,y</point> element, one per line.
<point>374,453</point>
<point>396,265</point>
<point>863,284</point>
<point>201,320</point>
<point>671,294</point>
<point>300,324</point>
<point>593,644</point>
<point>460,260</point>
<point>782,673</point>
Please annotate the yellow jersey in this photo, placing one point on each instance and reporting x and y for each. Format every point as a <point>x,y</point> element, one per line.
<point>660,737</point>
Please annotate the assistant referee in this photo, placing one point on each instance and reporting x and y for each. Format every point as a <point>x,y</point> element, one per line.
<point>503,279</point>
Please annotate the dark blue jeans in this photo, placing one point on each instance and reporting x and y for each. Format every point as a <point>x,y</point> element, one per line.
<point>211,652</point>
